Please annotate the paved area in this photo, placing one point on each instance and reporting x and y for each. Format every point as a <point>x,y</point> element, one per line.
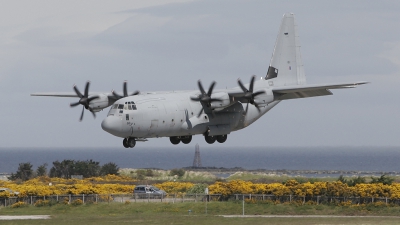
<point>305,216</point>
<point>29,217</point>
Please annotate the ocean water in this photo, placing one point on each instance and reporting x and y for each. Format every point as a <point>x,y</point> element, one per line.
<point>382,159</point>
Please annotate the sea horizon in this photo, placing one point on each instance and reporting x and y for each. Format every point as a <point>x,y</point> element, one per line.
<point>367,158</point>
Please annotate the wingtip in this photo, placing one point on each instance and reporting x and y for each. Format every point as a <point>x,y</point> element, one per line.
<point>362,82</point>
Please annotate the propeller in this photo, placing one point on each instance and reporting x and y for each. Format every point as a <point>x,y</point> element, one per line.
<point>249,94</point>
<point>205,97</point>
<point>84,99</point>
<point>125,89</point>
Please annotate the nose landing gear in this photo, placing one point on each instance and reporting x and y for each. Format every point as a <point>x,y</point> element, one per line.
<point>129,142</point>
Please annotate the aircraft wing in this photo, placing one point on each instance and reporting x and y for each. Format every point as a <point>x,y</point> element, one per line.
<point>64,94</point>
<point>311,90</point>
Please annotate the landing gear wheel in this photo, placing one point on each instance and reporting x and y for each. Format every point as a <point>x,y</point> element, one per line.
<point>222,138</point>
<point>131,142</point>
<point>187,139</point>
<point>125,143</point>
<point>174,140</point>
<point>209,139</point>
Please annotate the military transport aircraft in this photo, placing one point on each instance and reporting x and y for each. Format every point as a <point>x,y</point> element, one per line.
<point>214,113</point>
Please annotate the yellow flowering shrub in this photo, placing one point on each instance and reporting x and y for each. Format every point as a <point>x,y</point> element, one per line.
<point>113,184</point>
<point>175,187</point>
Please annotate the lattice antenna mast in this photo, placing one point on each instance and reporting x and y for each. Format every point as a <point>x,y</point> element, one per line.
<point>197,159</point>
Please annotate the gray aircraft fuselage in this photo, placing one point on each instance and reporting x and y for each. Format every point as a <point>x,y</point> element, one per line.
<point>167,114</point>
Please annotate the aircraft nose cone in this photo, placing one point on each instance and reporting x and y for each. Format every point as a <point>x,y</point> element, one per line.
<point>112,125</point>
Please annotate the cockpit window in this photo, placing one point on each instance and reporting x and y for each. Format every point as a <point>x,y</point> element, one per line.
<point>120,106</point>
<point>115,106</point>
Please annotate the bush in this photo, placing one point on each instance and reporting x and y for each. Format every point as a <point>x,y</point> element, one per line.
<point>197,189</point>
<point>77,202</point>
<point>178,172</point>
<point>19,205</point>
<point>40,203</point>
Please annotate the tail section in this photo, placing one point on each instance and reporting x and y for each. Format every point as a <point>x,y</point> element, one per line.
<point>286,66</point>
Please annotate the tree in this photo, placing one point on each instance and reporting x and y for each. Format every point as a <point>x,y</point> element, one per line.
<point>24,172</point>
<point>88,168</point>
<point>383,179</point>
<point>177,172</point>
<point>41,170</point>
<point>66,168</point>
<point>109,168</point>
<point>357,180</point>
<point>62,169</point>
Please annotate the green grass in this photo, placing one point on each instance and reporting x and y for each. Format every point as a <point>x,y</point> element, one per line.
<point>168,213</point>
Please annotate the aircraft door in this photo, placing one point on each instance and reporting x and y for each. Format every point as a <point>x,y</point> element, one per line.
<point>150,119</point>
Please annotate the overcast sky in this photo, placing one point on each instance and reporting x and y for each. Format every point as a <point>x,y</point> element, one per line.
<point>156,45</point>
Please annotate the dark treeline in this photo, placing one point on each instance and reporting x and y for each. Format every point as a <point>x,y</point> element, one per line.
<point>65,169</point>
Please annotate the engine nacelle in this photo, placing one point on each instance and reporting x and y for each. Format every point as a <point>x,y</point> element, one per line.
<point>100,103</point>
<point>264,99</point>
<point>220,105</point>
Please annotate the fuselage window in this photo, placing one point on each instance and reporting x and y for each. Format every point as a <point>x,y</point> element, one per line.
<point>127,116</point>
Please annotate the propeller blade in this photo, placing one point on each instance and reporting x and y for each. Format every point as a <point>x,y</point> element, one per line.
<point>247,108</point>
<point>201,87</point>
<point>211,89</point>
<point>252,84</point>
<point>258,108</point>
<point>201,111</point>
<point>195,99</point>
<point>87,89</point>
<point>74,104</point>
<point>135,93</point>
<point>258,93</point>
<point>116,95</point>
<point>215,100</point>
<point>94,114</point>
<point>242,86</point>
<point>125,89</point>
<point>78,92</point>
<point>83,110</point>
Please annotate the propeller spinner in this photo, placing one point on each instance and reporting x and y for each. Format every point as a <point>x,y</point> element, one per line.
<point>84,99</point>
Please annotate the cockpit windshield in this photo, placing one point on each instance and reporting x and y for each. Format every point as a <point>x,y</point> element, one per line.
<point>126,106</point>
<point>122,107</point>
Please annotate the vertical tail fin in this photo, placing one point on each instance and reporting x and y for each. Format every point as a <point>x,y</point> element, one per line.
<point>286,66</point>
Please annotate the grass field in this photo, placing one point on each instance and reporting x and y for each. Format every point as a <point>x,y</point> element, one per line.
<point>178,213</point>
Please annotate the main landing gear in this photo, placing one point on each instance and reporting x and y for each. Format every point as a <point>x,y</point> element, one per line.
<point>129,142</point>
<point>212,139</point>
<point>184,139</point>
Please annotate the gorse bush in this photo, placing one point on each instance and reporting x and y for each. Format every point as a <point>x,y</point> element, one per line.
<point>113,184</point>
